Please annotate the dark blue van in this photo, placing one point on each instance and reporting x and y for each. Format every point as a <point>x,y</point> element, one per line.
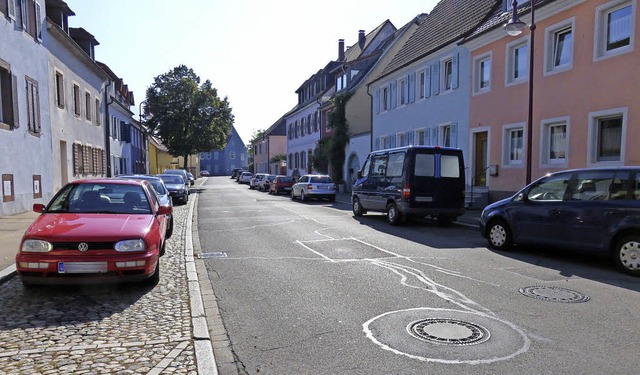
<point>420,181</point>
<point>589,210</point>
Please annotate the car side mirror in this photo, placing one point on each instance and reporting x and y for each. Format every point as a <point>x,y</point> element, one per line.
<point>38,207</point>
<point>522,197</point>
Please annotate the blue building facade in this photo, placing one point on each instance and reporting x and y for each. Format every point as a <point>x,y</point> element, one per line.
<point>222,162</point>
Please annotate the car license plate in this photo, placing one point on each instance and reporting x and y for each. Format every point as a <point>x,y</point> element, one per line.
<point>327,187</point>
<point>287,189</point>
<point>424,199</point>
<point>82,267</point>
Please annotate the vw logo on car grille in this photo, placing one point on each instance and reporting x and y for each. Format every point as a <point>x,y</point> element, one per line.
<point>83,246</point>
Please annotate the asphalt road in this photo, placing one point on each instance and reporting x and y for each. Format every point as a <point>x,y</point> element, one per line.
<point>306,288</point>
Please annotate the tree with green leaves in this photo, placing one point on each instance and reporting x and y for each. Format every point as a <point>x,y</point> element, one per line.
<point>187,116</point>
<point>330,152</point>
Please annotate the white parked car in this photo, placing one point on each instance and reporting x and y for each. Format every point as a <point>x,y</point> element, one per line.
<point>245,177</point>
<point>256,179</point>
<point>314,186</point>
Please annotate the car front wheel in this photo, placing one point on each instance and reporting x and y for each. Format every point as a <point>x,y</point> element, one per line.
<point>626,254</point>
<point>303,197</point>
<point>499,235</point>
<point>357,207</point>
<point>154,279</point>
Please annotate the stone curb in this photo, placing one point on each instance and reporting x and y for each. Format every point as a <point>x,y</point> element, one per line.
<point>8,273</point>
<point>205,360</point>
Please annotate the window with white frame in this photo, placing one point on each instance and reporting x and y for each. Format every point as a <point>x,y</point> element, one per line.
<point>384,97</point>
<point>98,112</point>
<point>59,90</point>
<point>402,139</point>
<point>555,141</point>
<point>76,101</point>
<point>447,74</point>
<point>232,155</point>
<point>403,91</point>
<point>445,135</point>
<point>419,137</point>
<point>517,61</point>
<point>422,82</point>
<point>87,105</point>
<point>558,50</point>
<point>384,142</point>
<point>607,133</point>
<point>513,144</point>
<point>482,73</point>
<point>614,28</point>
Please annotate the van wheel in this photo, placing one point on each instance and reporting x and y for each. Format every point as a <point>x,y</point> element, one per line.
<point>626,254</point>
<point>357,207</point>
<point>394,217</point>
<point>499,235</point>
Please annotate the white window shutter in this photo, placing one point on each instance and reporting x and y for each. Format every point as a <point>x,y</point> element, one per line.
<point>377,144</point>
<point>393,94</point>
<point>427,81</point>
<point>412,87</point>
<point>435,78</point>
<point>14,98</point>
<point>434,136</point>
<point>376,101</point>
<point>410,138</point>
<point>11,4</point>
<point>454,134</point>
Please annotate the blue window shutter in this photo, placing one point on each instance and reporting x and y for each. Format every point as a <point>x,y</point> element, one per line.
<point>435,78</point>
<point>410,137</point>
<point>454,71</point>
<point>392,141</point>
<point>376,101</point>
<point>393,94</point>
<point>377,144</point>
<point>427,81</point>
<point>412,87</point>
<point>454,134</point>
<point>434,136</point>
<point>427,136</point>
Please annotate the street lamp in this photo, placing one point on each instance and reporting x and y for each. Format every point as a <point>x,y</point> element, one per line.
<point>514,28</point>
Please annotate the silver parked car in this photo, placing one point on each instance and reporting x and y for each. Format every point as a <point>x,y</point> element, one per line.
<point>245,177</point>
<point>314,186</point>
<point>255,180</point>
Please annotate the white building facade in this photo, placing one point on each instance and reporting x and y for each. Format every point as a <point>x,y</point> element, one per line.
<point>25,125</point>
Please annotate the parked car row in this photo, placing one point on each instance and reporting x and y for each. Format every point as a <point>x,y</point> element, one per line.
<point>311,186</point>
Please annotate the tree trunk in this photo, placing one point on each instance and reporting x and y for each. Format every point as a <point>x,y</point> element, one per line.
<point>186,159</point>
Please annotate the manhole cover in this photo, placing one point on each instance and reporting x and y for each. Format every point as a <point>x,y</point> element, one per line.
<point>219,254</point>
<point>448,331</point>
<point>554,294</point>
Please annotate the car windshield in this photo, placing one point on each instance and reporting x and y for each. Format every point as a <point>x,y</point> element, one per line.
<point>172,179</point>
<point>321,180</point>
<point>285,179</point>
<point>101,198</point>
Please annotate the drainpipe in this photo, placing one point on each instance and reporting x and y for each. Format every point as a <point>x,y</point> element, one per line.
<point>370,122</point>
<point>107,126</point>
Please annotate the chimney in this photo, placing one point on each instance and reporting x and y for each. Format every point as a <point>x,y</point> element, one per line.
<point>340,49</point>
<point>361,39</point>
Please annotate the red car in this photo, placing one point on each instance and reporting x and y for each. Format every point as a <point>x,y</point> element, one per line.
<point>93,231</point>
<point>281,184</point>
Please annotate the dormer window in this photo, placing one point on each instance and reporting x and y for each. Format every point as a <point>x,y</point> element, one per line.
<point>341,82</point>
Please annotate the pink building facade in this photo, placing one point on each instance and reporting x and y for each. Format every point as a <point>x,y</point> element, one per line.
<point>586,92</point>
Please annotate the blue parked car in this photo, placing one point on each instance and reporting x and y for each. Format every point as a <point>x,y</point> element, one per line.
<point>590,210</point>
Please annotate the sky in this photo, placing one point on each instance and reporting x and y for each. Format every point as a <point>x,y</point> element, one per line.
<point>256,53</point>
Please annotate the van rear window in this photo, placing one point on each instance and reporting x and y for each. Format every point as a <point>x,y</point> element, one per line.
<point>395,163</point>
<point>425,165</point>
<point>449,166</point>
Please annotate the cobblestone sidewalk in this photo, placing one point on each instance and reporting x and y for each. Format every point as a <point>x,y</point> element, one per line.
<point>126,329</point>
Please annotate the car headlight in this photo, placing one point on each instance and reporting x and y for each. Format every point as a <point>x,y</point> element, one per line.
<point>181,191</point>
<point>36,246</point>
<point>131,245</point>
